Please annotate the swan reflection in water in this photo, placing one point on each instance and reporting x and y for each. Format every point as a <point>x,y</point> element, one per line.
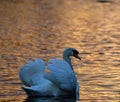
<point>50,99</point>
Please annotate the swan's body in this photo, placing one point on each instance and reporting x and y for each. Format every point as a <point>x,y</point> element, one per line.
<point>59,80</point>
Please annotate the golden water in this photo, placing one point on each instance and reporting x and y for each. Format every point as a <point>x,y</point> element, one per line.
<point>44,28</point>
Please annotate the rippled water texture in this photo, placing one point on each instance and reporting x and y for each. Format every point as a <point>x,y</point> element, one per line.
<point>44,28</point>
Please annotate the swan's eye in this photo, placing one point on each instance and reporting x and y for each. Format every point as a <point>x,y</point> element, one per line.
<point>75,52</point>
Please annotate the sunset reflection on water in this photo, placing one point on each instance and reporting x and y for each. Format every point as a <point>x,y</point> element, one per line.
<point>44,28</point>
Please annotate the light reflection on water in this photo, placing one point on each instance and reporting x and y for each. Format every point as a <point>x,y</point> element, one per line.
<point>43,29</point>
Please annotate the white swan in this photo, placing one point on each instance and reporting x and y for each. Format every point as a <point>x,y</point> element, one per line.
<point>58,80</point>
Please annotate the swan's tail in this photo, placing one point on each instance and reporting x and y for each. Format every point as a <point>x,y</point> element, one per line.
<point>28,71</point>
<point>30,92</point>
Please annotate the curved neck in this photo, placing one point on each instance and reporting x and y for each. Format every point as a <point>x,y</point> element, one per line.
<point>67,59</point>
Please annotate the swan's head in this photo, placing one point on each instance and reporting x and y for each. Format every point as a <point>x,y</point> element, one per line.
<point>71,52</point>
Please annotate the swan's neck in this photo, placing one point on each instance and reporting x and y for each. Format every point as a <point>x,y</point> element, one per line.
<point>67,59</point>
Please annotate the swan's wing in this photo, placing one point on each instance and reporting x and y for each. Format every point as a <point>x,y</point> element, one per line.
<point>63,73</point>
<point>30,70</point>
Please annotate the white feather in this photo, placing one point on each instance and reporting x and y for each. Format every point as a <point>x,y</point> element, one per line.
<point>62,72</point>
<point>31,70</point>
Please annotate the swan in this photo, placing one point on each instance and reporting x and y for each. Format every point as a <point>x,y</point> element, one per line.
<point>56,79</point>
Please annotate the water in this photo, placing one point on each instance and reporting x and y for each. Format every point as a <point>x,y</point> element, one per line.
<point>44,28</point>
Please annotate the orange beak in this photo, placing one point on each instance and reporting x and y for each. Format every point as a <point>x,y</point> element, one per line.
<point>78,57</point>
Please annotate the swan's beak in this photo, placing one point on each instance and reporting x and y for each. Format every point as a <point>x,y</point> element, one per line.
<point>77,56</point>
